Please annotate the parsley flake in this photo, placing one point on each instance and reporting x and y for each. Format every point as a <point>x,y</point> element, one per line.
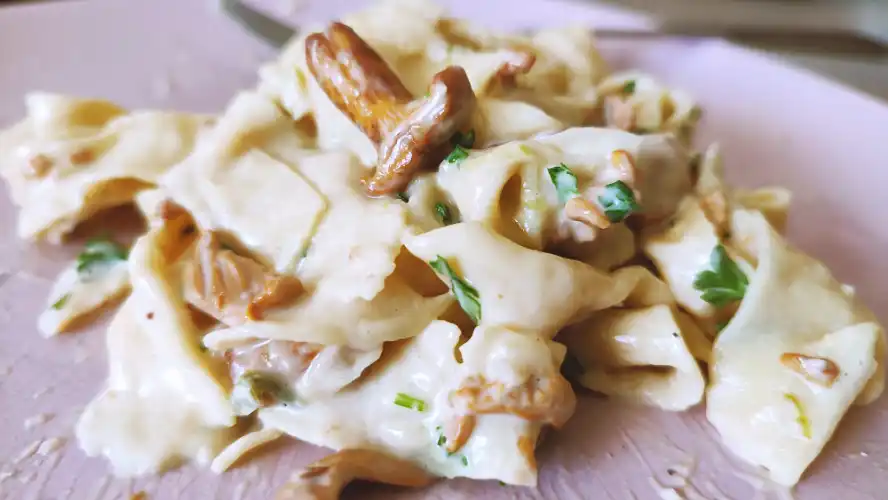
<point>99,252</point>
<point>60,303</point>
<point>629,87</point>
<point>442,212</point>
<point>564,180</point>
<point>465,461</point>
<point>465,293</point>
<point>618,201</point>
<point>462,142</point>
<point>724,283</point>
<point>409,402</point>
<point>457,155</point>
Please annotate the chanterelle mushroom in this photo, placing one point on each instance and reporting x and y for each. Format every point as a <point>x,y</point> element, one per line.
<point>233,288</point>
<point>325,479</point>
<point>408,133</point>
<point>545,399</point>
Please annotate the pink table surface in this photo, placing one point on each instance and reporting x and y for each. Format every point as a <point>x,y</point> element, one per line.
<point>777,124</point>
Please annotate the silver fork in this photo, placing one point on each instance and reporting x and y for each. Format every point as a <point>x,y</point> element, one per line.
<point>776,37</point>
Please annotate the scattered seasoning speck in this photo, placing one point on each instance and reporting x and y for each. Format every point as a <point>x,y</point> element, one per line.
<point>37,420</point>
<point>150,315</point>
<point>465,461</point>
<point>82,156</point>
<point>50,445</point>
<point>40,165</point>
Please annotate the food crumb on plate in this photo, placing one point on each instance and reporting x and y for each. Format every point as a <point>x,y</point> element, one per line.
<point>37,420</point>
<point>50,445</point>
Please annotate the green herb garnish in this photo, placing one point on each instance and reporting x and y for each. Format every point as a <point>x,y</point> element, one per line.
<point>461,143</point>
<point>441,440</point>
<point>403,197</point>
<point>721,325</point>
<point>408,401</point>
<point>466,140</point>
<point>464,460</point>
<point>466,295</point>
<point>802,419</point>
<point>442,212</point>
<point>564,180</point>
<point>457,155</point>
<point>618,201</point>
<point>629,87</point>
<point>724,283</point>
<point>255,390</point>
<point>60,303</point>
<point>99,252</point>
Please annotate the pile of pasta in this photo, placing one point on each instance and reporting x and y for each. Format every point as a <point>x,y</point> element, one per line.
<point>392,244</point>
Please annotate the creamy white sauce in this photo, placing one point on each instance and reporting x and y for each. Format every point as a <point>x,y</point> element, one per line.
<point>425,372</point>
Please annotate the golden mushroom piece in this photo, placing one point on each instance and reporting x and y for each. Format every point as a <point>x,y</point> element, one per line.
<point>409,133</point>
<point>326,478</point>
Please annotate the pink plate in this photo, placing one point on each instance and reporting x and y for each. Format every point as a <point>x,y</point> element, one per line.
<point>777,124</point>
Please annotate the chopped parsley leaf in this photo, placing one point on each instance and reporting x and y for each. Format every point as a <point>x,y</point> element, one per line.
<point>442,212</point>
<point>724,283</point>
<point>60,303</point>
<point>464,460</point>
<point>441,440</point>
<point>409,402</point>
<point>461,144</point>
<point>465,293</point>
<point>564,180</point>
<point>618,201</point>
<point>629,87</point>
<point>457,155</point>
<point>99,251</point>
<point>254,390</point>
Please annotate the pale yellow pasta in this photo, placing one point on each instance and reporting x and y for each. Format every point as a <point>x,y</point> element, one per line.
<point>426,369</point>
<point>76,294</point>
<point>682,249</point>
<point>144,420</point>
<point>488,262</point>
<point>643,355</point>
<point>765,411</point>
<point>651,107</point>
<point>772,202</point>
<point>272,295</point>
<point>220,187</point>
<point>242,446</point>
<point>510,189</point>
<point>71,158</point>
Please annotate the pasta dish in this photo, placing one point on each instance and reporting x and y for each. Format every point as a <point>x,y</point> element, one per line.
<point>410,242</point>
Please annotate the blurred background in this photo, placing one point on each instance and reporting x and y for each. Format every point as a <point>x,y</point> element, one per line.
<point>851,42</point>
